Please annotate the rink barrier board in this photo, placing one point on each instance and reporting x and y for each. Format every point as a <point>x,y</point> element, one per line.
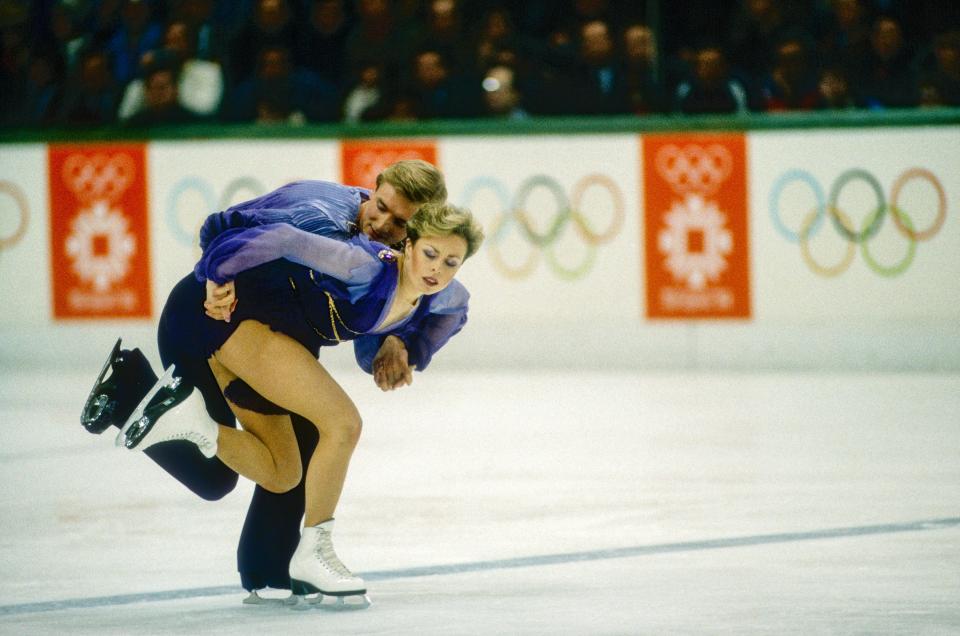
<point>886,310</point>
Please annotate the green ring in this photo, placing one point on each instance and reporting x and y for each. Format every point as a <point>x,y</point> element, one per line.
<point>897,268</point>
<point>561,218</point>
<point>876,219</point>
<point>571,273</point>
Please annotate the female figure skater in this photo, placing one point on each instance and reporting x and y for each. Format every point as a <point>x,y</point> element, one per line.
<point>271,529</point>
<point>332,291</point>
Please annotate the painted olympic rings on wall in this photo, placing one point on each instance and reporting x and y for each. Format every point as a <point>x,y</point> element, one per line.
<point>825,206</point>
<point>98,177</point>
<point>20,199</point>
<point>211,203</point>
<point>514,213</point>
<point>694,168</point>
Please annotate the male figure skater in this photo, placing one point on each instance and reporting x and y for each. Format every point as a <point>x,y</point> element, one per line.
<point>271,530</point>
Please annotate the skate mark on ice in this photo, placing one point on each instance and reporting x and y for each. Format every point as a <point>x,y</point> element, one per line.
<point>505,564</point>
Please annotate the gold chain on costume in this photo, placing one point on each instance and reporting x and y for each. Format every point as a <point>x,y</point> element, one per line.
<point>334,315</point>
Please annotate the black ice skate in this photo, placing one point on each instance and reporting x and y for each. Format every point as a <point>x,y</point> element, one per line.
<point>112,398</point>
<point>144,427</point>
<point>98,412</point>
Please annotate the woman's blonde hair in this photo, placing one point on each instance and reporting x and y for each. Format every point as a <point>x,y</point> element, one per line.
<point>444,219</point>
<point>417,180</point>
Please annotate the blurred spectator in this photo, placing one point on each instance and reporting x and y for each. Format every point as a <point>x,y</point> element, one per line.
<point>199,84</point>
<point>712,89</point>
<point>581,12</point>
<point>791,85</point>
<point>322,41</point>
<point>104,20</point>
<point>278,110</point>
<point>92,94</point>
<point>442,30</point>
<point>63,34</point>
<point>367,93</point>
<point>376,36</point>
<point>137,34</point>
<point>844,34</point>
<point>645,93</point>
<point>280,86</point>
<point>833,90</point>
<point>272,25</point>
<point>599,77</point>
<point>501,97</point>
<point>399,108</point>
<point>941,84</point>
<point>886,79</point>
<point>43,91</point>
<point>437,94</point>
<point>209,38</point>
<point>496,40</point>
<point>758,26</point>
<point>161,105</point>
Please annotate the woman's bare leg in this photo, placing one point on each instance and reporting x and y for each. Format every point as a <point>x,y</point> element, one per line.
<point>281,370</point>
<point>266,450</point>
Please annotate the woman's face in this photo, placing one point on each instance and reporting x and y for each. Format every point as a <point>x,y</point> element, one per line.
<point>433,261</point>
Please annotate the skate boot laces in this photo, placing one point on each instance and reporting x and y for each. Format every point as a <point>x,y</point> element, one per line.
<point>323,551</point>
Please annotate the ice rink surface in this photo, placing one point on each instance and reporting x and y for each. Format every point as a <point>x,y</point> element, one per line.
<point>524,503</point>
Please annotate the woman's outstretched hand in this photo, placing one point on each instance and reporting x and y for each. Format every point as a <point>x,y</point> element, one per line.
<point>221,300</point>
<point>391,370</point>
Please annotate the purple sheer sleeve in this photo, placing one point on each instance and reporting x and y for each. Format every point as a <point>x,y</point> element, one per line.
<point>236,250</point>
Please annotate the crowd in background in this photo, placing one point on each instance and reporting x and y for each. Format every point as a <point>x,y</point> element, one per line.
<point>150,62</point>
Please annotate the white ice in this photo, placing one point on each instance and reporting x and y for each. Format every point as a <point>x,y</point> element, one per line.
<point>477,468</point>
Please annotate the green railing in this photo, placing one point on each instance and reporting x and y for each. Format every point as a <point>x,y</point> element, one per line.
<point>494,127</point>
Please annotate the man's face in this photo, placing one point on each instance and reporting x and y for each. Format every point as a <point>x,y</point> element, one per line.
<point>384,217</point>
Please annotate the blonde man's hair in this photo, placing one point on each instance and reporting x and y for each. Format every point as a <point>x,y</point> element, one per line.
<point>417,180</point>
<point>444,219</point>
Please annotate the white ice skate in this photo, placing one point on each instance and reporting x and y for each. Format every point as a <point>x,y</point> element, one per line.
<point>316,569</point>
<point>186,418</point>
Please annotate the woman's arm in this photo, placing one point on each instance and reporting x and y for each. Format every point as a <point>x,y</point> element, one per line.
<point>237,250</point>
<point>447,316</point>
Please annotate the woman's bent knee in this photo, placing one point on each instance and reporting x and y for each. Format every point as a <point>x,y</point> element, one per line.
<point>284,480</point>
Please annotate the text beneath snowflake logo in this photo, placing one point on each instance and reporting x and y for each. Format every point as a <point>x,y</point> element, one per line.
<point>695,241</point>
<point>100,244</point>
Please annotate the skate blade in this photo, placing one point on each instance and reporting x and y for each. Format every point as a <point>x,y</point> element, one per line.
<point>304,603</point>
<point>165,380</point>
<point>311,597</point>
<point>93,408</point>
<point>329,603</point>
<point>254,599</point>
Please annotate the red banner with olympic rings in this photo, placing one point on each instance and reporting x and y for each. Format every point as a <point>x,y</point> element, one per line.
<point>362,160</point>
<point>99,238</point>
<point>696,238</point>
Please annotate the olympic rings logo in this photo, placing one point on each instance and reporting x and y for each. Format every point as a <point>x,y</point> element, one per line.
<point>514,213</point>
<point>20,199</point>
<point>694,168</point>
<point>824,206</point>
<point>249,187</point>
<point>98,177</point>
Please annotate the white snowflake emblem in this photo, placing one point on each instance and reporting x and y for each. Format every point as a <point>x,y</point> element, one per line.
<point>695,241</point>
<point>101,245</point>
